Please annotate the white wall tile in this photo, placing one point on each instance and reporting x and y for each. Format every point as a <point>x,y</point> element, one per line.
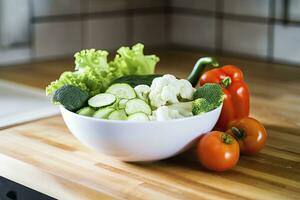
<point>146,3</point>
<point>193,31</point>
<point>259,8</point>
<point>56,39</point>
<point>194,4</point>
<point>245,38</point>
<point>149,29</point>
<point>55,7</point>
<point>106,33</point>
<point>286,43</point>
<point>294,9</point>
<point>106,5</point>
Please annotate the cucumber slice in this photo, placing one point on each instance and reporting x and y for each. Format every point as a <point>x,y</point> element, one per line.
<point>101,100</point>
<point>122,103</point>
<point>122,90</point>
<point>118,115</point>
<point>139,116</point>
<point>86,111</point>
<point>103,113</point>
<point>137,105</point>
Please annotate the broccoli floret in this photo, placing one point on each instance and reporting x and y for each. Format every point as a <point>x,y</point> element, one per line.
<point>200,106</point>
<point>212,93</point>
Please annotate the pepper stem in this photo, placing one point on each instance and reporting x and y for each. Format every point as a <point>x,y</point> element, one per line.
<point>227,139</point>
<point>238,132</point>
<point>226,82</point>
<point>199,68</point>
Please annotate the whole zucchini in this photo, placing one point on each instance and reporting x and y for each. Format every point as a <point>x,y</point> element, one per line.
<point>135,80</point>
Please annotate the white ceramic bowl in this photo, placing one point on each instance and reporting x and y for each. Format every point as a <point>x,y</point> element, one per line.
<point>139,141</point>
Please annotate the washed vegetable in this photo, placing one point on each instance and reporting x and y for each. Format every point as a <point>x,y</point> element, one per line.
<point>103,113</point>
<point>236,101</point>
<point>118,115</point>
<point>121,90</point>
<point>137,105</point>
<point>71,97</point>
<point>199,68</point>
<point>218,151</point>
<point>100,100</point>
<point>135,80</point>
<point>139,116</point>
<point>165,113</point>
<point>142,92</point>
<point>168,89</point>
<point>183,108</point>
<point>86,111</point>
<point>93,74</point>
<point>212,93</point>
<point>122,103</point>
<point>200,106</point>
<point>250,134</point>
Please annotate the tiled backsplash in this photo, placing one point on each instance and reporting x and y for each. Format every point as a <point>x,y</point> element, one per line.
<point>251,28</point>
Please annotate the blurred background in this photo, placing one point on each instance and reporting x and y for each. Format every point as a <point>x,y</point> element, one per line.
<point>35,30</point>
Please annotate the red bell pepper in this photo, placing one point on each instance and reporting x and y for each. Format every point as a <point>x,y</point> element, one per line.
<point>236,103</point>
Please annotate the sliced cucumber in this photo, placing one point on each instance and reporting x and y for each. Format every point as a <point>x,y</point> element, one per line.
<point>100,100</point>
<point>103,113</point>
<point>122,103</point>
<point>86,111</point>
<point>139,116</point>
<point>118,115</point>
<point>137,105</point>
<point>122,90</point>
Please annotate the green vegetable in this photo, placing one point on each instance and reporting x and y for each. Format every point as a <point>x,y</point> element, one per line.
<point>199,68</point>
<point>122,103</point>
<point>200,106</point>
<point>135,80</point>
<point>139,116</point>
<point>103,113</point>
<point>121,90</point>
<point>137,105</point>
<point>71,97</point>
<point>93,74</point>
<point>212,93</point>
<point>118,115</point>
<point>100,100</point>
<point>86,111</point>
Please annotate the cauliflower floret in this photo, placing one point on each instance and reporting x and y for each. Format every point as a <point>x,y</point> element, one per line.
<point>167,89</point>
<point>142,92</point>
<point>165,113</point>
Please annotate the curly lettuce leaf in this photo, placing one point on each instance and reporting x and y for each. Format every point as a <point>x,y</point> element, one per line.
<point>93,73</point>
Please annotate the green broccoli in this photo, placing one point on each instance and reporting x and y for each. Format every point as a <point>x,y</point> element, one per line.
<point>207,98</point>
<point>200,106</point>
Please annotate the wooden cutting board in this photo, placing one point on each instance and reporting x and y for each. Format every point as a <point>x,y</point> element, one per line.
<point>43,155</point>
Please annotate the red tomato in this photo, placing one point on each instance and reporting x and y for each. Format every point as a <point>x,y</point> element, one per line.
<point>250,134</point>
<point>218,151</point>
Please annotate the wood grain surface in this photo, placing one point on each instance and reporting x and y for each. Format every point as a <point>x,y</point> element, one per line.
<point>43,154</point>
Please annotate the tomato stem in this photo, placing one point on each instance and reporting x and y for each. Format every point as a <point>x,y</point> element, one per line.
<point>227,139</point>
<point>238,133</point>
<point>226,82</point>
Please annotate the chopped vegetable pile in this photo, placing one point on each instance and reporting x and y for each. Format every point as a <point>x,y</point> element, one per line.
<point>127,89</point>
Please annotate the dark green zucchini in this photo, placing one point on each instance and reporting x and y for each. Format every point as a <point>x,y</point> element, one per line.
<point>135,80</point>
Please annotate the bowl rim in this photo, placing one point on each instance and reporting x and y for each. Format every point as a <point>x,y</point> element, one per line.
<point>62,108</point>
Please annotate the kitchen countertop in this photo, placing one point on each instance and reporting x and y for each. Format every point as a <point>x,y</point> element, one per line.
<point>44,156</point>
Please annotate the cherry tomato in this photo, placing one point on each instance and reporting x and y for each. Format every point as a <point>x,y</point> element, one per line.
<point>250,134</point>
<point>218,151</point>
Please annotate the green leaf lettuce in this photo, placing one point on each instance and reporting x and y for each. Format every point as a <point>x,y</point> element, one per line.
<point>93,73</point>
